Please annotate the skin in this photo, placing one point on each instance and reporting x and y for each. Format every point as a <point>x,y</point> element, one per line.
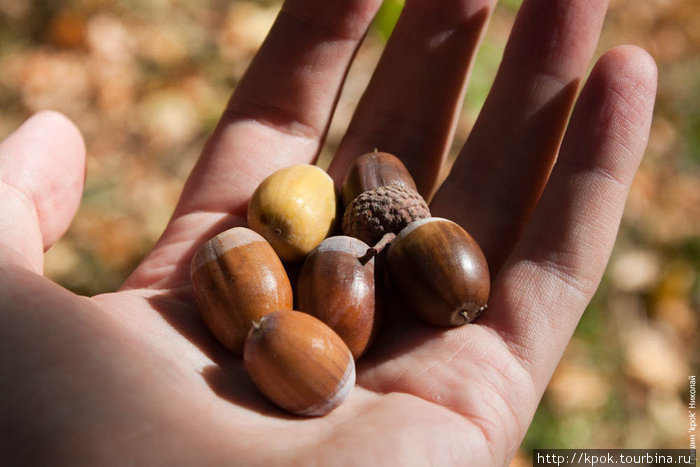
<point>134,377</point>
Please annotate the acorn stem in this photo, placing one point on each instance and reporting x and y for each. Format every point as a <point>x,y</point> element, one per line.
<point>369,254</point>
<point>377,248</point>
<point>468,318</point>
<point>384,241</point>
<point>256,325</point>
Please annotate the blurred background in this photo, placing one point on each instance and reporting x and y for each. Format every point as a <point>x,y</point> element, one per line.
<point>146,80</point>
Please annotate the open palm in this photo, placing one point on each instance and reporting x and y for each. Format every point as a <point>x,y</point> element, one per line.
<point>135,377</point>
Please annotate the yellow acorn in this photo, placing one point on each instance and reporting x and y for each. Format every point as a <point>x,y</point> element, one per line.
<point>294,209</point>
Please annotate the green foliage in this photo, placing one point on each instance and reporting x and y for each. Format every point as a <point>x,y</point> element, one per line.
<point>511,4</point>
<point>693,137</point>
<point>690,250</point>
<point>544,431</point>
<point>387,16</point>
<point>487,60</point>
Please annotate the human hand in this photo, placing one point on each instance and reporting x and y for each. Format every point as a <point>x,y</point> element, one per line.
<point>134,376</point>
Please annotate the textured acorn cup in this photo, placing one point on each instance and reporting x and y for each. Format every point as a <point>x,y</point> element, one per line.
<point>237,279</point>
<point>299,363</point>
<point>380,197</point>
<point>440,272</point>
<point>337,286</point>
<point>294,209</point>
<point>373,170</point>
<point>387,209</point>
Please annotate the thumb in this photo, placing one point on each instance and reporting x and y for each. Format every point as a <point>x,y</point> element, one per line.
<point>42,169</point>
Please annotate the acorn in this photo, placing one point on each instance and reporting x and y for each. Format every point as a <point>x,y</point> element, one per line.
<point>439,272</point>
<point>237,278</point>
<point>380,197</point>
<point>373,170</point>
<point>294,209</point>
<point>337,286</point>
<point>299,363</point>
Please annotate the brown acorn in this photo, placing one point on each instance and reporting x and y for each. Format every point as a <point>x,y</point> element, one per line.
<point>337,285</point>
<point>299,363</point>
<point>380,197</point>
<point>440,272</point>
<point>373,170</point>
<point>237,278</point>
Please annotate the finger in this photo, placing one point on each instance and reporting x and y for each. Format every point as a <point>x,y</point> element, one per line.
<point>557,264</point>
<point>277,117</point>
<point>411,105</point>
<point>42,170</point>
<point>282,107</point>
<point>508,156</point>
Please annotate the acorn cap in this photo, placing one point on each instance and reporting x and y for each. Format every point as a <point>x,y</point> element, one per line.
<point>386,209</point>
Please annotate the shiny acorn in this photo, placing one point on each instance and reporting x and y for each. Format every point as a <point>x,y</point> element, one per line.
<point>237,278</point>
<point>373,170</point>
<point>439,272</point>
<point>294,209</point>
<point>337,286</point>
<point>299,363</point>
